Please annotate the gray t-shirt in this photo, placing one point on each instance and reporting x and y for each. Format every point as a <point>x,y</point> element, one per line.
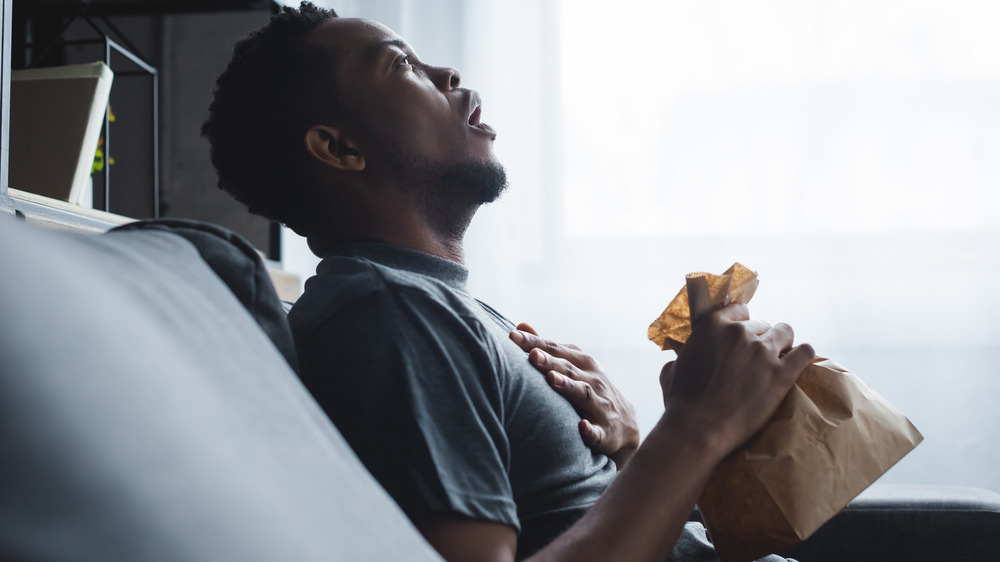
<point>441,407</point>
<point>437,402</point>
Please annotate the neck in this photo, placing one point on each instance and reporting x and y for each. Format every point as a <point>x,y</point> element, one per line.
<point>445,234</point>
<point>428,210</point>
<point>453,250</point>
<point>439,236</point>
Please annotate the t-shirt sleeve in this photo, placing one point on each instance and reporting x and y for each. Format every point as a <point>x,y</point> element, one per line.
<point>413,386</point>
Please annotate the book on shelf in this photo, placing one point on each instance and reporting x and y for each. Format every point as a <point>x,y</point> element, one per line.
<point>56,115</point>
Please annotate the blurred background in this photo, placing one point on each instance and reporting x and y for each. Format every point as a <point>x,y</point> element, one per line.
<point>848,151</point>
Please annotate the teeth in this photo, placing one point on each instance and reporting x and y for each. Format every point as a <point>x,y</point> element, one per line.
<point>474,118</point>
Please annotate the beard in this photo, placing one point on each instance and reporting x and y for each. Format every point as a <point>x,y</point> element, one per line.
<point>450,193</point>
<point>477,182</point>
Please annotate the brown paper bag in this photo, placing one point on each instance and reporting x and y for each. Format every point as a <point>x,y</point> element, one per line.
<point>830,439</point>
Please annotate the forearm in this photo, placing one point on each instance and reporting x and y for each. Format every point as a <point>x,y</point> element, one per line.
<point>641,515</point>
<point>727,381</point>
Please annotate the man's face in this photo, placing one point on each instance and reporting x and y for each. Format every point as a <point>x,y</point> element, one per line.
<point>404,111</point>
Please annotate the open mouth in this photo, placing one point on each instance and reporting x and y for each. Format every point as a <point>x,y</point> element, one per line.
<point>474,120</point>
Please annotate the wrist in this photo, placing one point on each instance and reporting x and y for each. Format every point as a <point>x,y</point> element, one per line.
<point>623,454</point>
<point>702,439</point>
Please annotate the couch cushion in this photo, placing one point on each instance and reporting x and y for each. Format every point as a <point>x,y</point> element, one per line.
<point>904,522</point>
<point>235,261</point>
<point>145,416</point>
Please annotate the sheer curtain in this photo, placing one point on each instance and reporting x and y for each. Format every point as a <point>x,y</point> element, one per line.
<point>848,151</point>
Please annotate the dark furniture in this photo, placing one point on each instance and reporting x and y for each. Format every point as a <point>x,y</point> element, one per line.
<point>149,411</point>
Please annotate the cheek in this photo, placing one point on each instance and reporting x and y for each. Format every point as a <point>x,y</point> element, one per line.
<point>434,136</point>
<point>417,121</point>
<point>412,119</point>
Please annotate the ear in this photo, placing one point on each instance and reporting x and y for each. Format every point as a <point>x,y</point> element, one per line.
<point>332,147</point>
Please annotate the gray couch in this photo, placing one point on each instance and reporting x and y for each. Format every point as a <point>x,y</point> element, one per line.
<point>149,411</point>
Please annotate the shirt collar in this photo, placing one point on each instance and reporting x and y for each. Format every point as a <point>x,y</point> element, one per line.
<point>451,273</point>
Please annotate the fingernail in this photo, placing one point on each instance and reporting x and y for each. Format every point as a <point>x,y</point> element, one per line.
<point>536,356</point>
<point>555,379</point>
<point>516,336</point>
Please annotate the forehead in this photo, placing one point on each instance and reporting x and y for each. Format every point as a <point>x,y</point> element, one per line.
<point>358,41</point>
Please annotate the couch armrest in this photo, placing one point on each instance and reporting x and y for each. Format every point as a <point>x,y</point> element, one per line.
<point>907,523</point>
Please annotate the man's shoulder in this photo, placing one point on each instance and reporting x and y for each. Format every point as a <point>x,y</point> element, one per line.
<point>355,285</point>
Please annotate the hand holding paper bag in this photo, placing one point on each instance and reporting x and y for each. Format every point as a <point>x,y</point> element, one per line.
<point>830,438</point>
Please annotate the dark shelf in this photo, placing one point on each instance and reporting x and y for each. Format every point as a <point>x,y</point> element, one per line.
<point>147,7</point>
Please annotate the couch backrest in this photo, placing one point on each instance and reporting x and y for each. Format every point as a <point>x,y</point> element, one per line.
<point>236,263</point>
<point>144,415</point>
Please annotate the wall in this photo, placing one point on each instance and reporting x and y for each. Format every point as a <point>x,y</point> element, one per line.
<point>189,51</point>
<point>196,49</point>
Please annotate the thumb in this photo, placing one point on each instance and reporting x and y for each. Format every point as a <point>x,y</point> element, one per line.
<point>667,377</point>
<point>592,434</point>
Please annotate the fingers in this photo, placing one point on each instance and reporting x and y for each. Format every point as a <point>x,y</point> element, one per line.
<point>546,362</point>
<point>578,393</point>
<point>593,435</point>
<point>735,312</point>
<point>725,318</point>
<point>756,327</point>
<point>528,340</point>
<point>780,336</point>
<point>735,320</point>
<point>800,357</point>
<point>525,327</point>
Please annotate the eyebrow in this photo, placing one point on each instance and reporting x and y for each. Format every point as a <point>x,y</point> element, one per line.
<point>392,43</point>
<point>377,49</point>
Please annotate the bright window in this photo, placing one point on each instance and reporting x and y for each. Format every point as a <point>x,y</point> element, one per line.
<point>795,117</point>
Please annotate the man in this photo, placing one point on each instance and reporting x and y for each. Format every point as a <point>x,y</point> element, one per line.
<point>336,128</point>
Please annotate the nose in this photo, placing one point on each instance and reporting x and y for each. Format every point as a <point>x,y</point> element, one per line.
<point>447,79</point>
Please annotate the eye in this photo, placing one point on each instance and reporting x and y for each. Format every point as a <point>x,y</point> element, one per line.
<point>403,61</point>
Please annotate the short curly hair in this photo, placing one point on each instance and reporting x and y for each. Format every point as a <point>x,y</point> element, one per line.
<point>275,88</point>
